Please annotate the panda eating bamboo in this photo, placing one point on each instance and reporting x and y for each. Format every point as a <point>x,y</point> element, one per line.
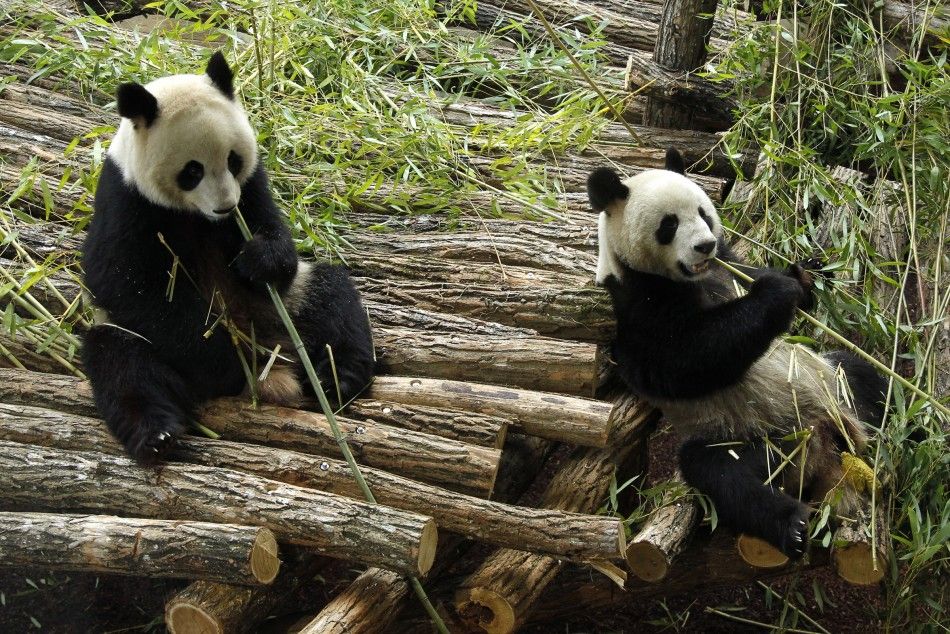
<point>182,307</point>
<point>765,421</point>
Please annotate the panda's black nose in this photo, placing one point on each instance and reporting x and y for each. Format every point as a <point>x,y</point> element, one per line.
<point>706,247</point>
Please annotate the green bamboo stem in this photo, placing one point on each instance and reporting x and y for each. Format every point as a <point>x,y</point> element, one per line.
<point>853,348</point>
<point>331,418</point>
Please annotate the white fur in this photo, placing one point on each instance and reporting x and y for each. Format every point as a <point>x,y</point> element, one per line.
<point>196,122</point>
<point>627,228</point>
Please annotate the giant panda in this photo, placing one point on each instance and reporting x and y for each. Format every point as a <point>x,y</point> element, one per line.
<point>178,292</point>
<point>715,364</point>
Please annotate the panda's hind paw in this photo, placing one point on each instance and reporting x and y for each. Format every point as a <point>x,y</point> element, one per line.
<point>154,436</point>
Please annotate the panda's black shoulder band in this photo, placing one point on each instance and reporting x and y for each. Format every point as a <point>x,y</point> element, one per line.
<point>221,74</point>
<point>604,187</point>
<point>135,102</point>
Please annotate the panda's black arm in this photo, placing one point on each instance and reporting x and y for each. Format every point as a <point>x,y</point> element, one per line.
<point>678,352</point>
<point>270,258</point>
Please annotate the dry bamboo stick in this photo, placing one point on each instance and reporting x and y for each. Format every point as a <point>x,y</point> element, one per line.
<point>467,427</point>
<point>568,419</point>
<point>425,456</point>
<point>59,479</point>
<point>499,595</point>
<point>570,535</point>
<point>531,363</point>
<point>144,547</point>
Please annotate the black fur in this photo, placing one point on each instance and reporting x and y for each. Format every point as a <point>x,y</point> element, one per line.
<point>136,103</point>
<point>604,187</point>
<point>147,390</point>
<point>867,386</point>
<point>674,161</point>
<point>667,229</point>
<point>221,74</point>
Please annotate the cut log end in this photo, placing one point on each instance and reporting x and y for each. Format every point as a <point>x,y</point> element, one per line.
<point>486,610</point>
<point>185,618</point>
<point>428,544</point>
<point>265,563</point>
<point>647,561</point>
<point>759,553</point>
<point>855,563</point>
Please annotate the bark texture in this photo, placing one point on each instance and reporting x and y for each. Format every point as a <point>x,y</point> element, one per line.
<point>664,535</point>
<point>369,604</point>
<point>467,427</point>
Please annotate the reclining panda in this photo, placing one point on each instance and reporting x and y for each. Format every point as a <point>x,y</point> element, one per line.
<point>178,290</point>
<point>715,364</point>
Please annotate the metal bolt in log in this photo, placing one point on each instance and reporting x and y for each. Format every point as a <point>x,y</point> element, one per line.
<point>144,547</point>
<point>553,416</point>
<point>58,479</point>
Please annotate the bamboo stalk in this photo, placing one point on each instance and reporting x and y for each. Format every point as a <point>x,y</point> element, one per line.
<point>143,547</point>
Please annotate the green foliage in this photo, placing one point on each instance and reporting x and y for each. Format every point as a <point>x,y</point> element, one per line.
<point>824,87</point>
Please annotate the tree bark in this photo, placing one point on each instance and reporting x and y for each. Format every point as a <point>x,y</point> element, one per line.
<point>702,96</point>
<point>664,535</point>
<point>383,314</point>
<point>143,547</point>
<point>425,456</point>
<point>531,363</point>
<point>583,314</point>
<point>570,535</point>
<point>467,427</point>
<point>555,417</point>
<point>680,45</point>
<point>58,479</point>
<point>366,605</point>
<point>500,594</point>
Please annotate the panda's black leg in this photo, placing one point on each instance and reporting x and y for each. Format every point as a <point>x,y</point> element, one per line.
<point>330,313</point>
<point>867,386</point>
<point>145,403</point>
<point>743,502</point>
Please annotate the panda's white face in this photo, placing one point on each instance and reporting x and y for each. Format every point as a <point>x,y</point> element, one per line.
<point>194,152</point>
<point>665,225</point>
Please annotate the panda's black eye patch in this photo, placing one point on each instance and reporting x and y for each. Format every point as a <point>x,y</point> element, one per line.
<point>705,217</point>
<point>667,229</point>
<point>190,175</point>
<point>235,163</point>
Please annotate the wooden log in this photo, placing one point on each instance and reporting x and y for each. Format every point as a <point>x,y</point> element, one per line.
<point>467,427</point>
<point>570,535</point>
<point>499,595</point>
<point>909,19</point>
<point>425,456</point>
<point>759,553</point>
<point>207,607</point>
<point>532,363</point>
<point>583,314</point>
<point>680,46</point>
<point>664,535</point>
<point>685,89</point>
<point>429,458</point>
<point>385,314</point>
<point>567,419</point>
<point>141,547</point>
<point>859,558</point>
<point>59,479</point>
<point>351,613</point>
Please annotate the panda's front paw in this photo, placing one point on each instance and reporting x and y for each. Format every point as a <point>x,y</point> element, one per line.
<point>779,295</point>
<point>262,262</point>
<point>153,434</point>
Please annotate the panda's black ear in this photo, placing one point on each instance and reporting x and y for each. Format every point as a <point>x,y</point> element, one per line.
<point>604,187</point>
<point>221,74</point>
<point>137,103</point>
<point>674,161</point>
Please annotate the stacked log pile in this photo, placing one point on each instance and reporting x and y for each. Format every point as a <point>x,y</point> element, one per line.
<point>490,336</point>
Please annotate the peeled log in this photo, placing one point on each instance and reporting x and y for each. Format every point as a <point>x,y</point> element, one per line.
<point>500,594</point>
<point>350,613</point>
<point>533,363</point>
<point>567,419</point>
<point>583,314</point>
<point>142,547</point>
<point>467,427</point>
<point>570,535</point>
<point>662,537</point>
<point>59,479</point>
